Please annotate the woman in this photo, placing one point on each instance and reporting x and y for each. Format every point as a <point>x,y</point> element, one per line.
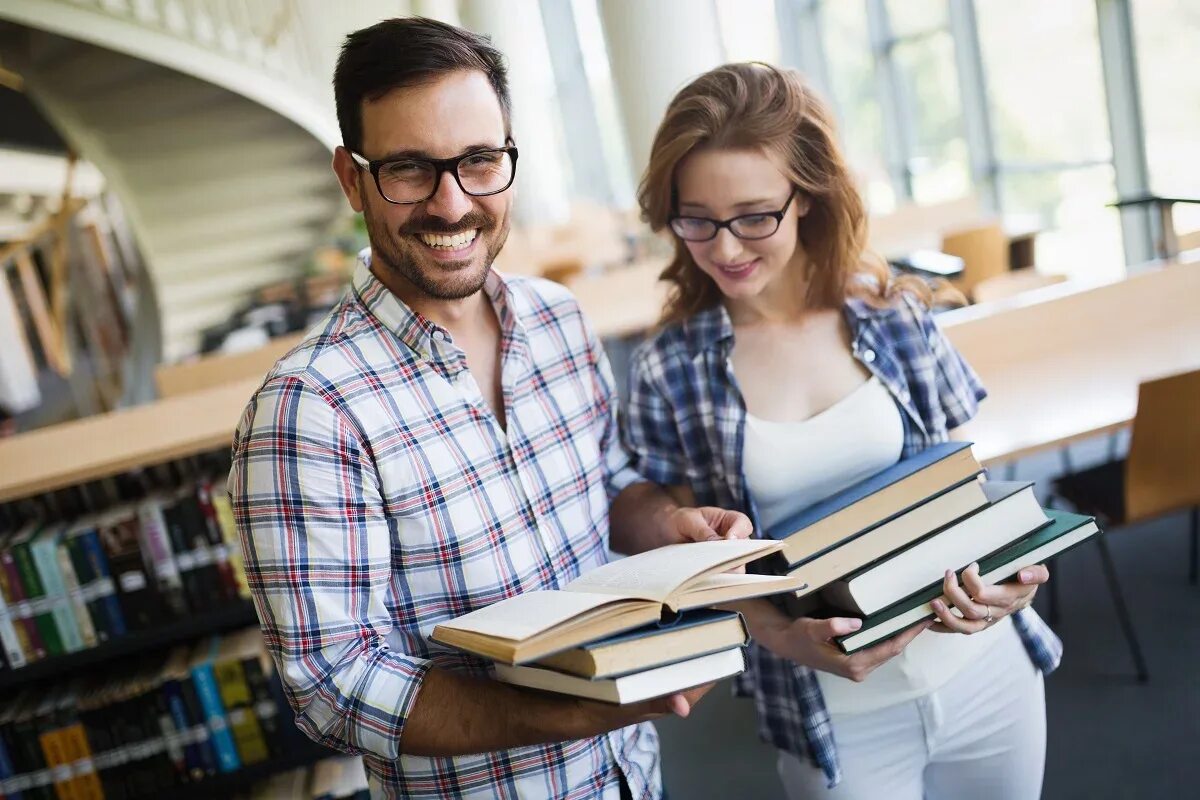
<point>788,367</point>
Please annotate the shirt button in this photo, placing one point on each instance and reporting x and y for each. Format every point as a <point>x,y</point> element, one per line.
<point>868,356</point>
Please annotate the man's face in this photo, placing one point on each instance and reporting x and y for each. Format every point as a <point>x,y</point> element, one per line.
<point>444,246</point>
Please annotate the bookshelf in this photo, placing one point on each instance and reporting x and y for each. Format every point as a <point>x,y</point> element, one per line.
<point>107,444</point>
<point>236,615</point>
<point>34,464</point>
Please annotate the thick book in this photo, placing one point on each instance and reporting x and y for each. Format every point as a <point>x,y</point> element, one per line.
<point>22,616</point>
<point>120,538</point>
<point>1012,513</point>
<point>631,688</point>
<point>40,605</point>
<point>897,533</point>
<point>1064,532</point>
<point>859,508</point>
<point>43,550</point>
<point>14,650</point>
<point>612,598</point>
<point>695,633</point>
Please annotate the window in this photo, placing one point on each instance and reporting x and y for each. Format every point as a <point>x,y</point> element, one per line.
<point>1165,36</point>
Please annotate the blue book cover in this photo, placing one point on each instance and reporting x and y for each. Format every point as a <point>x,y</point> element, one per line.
<point>879,481</point>
<point>6,772</point>
<point>685,619</point>
<point>107,593</point>
<point>205,680</point>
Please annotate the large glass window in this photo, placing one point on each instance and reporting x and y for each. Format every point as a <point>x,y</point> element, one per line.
<point>1050,125</point>
<point>1166,33</point>
<point>847,44</point>
<point>748,30</point>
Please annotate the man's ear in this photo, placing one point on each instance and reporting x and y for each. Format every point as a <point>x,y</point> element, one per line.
<point>349,175</point>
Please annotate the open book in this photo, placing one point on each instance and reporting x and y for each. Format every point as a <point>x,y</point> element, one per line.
<point>614,597</point>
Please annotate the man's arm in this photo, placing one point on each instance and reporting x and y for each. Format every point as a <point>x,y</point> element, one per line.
<point>318,559</point>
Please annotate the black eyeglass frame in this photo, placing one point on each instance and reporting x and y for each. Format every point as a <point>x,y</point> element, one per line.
<point>728,223</point>
<point>440,166</point>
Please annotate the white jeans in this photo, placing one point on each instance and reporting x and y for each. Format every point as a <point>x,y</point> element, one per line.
<point>982,736</point>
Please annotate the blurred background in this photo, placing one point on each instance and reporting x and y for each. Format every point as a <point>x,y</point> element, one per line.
<point>169,226</point>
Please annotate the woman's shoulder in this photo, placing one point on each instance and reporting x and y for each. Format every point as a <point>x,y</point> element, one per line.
<point>902,309</point>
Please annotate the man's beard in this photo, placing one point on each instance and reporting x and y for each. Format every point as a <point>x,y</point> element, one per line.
<point>400,252</point>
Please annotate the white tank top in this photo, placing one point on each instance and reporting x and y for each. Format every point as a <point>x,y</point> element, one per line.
<point>791,465</point>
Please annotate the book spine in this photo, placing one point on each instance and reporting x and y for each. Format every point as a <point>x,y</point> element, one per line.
<point>216,541</point>
<point>14,595</point>
<point>199,733</point>
<point>106,590</point>
<point>45,560</point>
<point>223,510</point>
<point>214,713</point>
<point>10,788</point>
<point>156,544</point>
<point>85,780</point>
<point>56,761</point>
<point>89,587</point>
<point>235,694</point>
<point>265,707</point>
<point>139,604</point>
<point>14,654</point>
<point>39,605</point>
<point>83,615</point>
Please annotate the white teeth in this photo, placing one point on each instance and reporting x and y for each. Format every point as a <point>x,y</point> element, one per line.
<point>449,242</point>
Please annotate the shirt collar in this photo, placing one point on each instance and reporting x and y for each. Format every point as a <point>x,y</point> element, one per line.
<point>425,338</point>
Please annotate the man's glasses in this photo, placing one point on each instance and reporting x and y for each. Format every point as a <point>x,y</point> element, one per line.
<point>758,225</point>
<point>479,173</point>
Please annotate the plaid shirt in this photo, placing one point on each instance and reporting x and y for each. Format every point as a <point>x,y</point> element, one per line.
<point>376,496</point>
<point>686,426</point>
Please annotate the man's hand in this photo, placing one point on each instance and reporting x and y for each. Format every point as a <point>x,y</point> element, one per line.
<point>702,524</point>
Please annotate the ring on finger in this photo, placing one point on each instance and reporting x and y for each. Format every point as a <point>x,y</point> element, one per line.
<point>987,610</point>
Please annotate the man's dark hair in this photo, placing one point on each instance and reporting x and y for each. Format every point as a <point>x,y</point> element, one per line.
<point>408,51</point>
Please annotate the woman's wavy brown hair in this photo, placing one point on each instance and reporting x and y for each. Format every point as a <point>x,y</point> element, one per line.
<point>762,107</point>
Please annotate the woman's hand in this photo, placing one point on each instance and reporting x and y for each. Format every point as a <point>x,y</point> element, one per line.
<point>809,642</point>
<point>981,604</point>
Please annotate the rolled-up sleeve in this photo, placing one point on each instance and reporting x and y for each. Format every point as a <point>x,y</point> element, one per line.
<point>959,389</point>
<point>318,561</point>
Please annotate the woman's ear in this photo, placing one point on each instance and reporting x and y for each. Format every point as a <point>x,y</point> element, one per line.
<point>803,204</point>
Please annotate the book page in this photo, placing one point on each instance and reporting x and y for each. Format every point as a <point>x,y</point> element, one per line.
<point>655,574</point>
<point>529,614</point>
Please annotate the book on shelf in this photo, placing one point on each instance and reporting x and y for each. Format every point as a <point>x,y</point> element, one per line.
<point>40,604</point>
<point>692,634</point>
<point>1012,513</point>
<point>119,532</point>
<point>202,669</point>
<point>615,597</point>
<point>885,496</point>
<point>631,688</point>
<point>237,697</point>
<point>1065,531</point>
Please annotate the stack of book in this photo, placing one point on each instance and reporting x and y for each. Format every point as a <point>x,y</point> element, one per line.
<point>630,630</point>
<point>879,549</point>
<point>67,586</point>
<point>141,729</point>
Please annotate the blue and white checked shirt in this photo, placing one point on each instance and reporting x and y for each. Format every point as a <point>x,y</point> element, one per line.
<point>376,496</point>
<point>686,427</point>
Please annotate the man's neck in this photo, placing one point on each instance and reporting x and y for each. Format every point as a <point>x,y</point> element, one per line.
<point>460,316</point>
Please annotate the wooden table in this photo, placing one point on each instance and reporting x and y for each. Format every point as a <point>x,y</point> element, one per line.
<point>1063,364</point>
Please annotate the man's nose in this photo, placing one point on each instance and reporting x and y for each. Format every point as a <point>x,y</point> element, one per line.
<point>448,201</point>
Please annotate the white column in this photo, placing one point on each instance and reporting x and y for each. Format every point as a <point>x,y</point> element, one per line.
<point>654,48</point>
<point>441,10</point>
<point>515,27</point>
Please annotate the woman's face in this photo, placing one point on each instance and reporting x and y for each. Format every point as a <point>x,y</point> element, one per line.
<point>720,184</point>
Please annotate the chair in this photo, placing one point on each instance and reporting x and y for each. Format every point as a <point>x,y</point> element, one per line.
<point>1012,283</point>
<point>1160,475</point>
<point>984,251</point>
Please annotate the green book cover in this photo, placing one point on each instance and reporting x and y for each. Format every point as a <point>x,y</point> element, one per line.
<point>1065,531</point>
<point>44,549</point>
<point>35,593</point>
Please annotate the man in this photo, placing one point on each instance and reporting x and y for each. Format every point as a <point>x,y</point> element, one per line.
<point>445,439</point>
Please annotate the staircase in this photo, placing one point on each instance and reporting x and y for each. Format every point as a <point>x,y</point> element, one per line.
<point>215,136</point>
